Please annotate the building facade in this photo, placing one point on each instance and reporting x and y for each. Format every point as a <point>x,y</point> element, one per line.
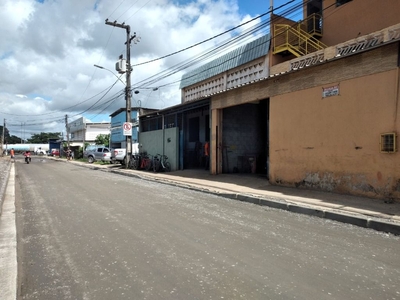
<point>323,111</point>
<point>81,131</point>
<point>118,118</point>
<point>178,132</point>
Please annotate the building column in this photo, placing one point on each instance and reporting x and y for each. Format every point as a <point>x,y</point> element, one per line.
<point>216,142</point>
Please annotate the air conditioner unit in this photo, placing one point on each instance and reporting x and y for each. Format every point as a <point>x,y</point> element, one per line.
<point>120,66</point>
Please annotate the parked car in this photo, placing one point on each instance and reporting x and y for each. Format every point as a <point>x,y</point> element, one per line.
<point>95,153</point>
<point>107,157</point>
<point>41,151</point>
<point>54,152</point>
<point>119,155</point>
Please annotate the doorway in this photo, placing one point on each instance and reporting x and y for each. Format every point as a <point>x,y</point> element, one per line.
<point>245,138</point>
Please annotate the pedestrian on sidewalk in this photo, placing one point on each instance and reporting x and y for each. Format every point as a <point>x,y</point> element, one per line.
<point>68,154</point>
<point>207,155</point>
<point>12,153</point>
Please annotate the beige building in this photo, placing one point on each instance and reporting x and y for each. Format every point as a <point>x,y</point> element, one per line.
<point>321,110</point>
<point>82,131</point>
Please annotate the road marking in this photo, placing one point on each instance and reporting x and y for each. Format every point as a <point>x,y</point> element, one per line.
<point>8,242</point>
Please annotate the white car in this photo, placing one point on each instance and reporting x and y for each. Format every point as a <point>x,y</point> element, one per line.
<point>106,157</point>
<point>42,152</point>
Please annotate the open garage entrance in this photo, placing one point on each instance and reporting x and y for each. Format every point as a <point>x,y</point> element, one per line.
<point>245,138</point>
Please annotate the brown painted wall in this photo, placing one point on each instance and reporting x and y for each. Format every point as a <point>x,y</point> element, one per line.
<point>378,60</point>
<point>356,18</point>
<point>333,143</point>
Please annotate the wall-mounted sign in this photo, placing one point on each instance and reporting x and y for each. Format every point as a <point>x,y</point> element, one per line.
<point>330,91</point>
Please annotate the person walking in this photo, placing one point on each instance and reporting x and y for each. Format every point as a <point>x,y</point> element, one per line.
<point>12,154</point>
<point>68,154</point>
<point>207,155</point>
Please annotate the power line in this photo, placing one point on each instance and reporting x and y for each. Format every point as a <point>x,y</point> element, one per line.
<point>62,109</point>
<point>208,54</point>
<point>127,9</point>
<point>151,80</point>
<point>93,106</point>
<point>212,38</point>
<point>116,8</point>
<point>181,66</point>
<point>138,10</point>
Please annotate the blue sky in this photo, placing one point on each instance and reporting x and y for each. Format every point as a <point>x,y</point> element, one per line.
<point>254,7</point>
<point>49,47</point>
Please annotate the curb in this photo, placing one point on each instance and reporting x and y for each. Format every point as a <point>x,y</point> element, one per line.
<point>356,220</point>
<point>4,186</point>
<point>277,203</point>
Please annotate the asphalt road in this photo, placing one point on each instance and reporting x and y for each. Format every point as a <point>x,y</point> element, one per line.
<point>89,234</point>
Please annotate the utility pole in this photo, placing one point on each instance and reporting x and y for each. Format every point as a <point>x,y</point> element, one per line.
<point>67,129</point>
<point>2,138</point>
<point>128,92</point>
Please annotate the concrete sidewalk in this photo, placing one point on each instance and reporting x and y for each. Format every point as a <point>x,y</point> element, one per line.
<point>359,211</point>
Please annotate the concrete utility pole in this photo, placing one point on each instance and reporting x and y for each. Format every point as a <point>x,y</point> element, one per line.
<point>128,93</point>
<point>2,138</point>
<point>67,129</point>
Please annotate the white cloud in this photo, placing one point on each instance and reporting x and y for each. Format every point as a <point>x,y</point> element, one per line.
<point>48,50</point>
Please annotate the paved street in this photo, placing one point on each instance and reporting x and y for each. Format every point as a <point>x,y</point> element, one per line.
<point>86,234</point>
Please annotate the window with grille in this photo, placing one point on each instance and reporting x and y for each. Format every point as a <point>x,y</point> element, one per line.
<point>388,142</point>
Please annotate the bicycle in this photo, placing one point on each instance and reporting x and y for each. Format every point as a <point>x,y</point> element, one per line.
<point>160,163</point>
<point>146,162</point>
<point>156,162</point>
<point>134,162</point>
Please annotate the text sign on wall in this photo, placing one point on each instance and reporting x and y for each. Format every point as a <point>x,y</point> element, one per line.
<point>127,127</point>
<point>330,91</point>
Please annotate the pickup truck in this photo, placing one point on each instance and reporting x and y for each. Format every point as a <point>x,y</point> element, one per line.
<point>95,153</point>
<point>118,155</point>
<point>41,152</point>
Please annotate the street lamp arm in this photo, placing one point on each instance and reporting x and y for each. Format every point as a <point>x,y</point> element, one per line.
<point>119,78</point>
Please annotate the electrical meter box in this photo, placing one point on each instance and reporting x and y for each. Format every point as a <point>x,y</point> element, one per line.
<point>120,66</point>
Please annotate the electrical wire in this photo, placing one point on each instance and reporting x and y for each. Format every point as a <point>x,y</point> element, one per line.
<point>116,9</point>
<point>210,39</point>
<point>222,47</point>
<point>155,78</point>
<point>110,102</point>
<point>62,109</point>
<point>93,106</point>
<point>138,10</point>
<point>127,9</point>
<point>214,51</point>
<point>207,55</point>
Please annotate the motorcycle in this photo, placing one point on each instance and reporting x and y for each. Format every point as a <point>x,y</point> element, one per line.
<point>27,158</point>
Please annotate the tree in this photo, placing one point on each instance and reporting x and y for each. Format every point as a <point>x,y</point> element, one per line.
<point>102,139</point>
<point>13,139</point>
<point>6,135</point>
<point>43,137</point>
